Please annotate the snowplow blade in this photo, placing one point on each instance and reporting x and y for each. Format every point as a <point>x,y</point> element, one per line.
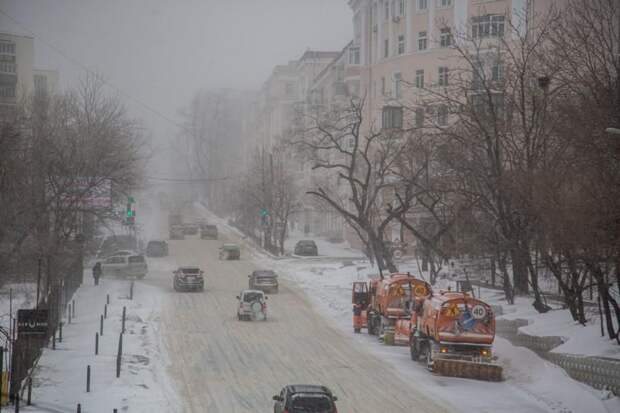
<point>467,369</point>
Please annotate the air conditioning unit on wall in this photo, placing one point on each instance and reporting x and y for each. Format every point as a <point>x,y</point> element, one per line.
<point>396,19</point>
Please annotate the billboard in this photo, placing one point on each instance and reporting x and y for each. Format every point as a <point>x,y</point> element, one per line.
<point>84,192</point>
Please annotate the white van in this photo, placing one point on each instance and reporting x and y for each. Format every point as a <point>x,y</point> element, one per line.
<point>133,266</point>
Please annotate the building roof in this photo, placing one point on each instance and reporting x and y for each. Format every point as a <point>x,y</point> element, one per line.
<point>332,63</point>
<point>318,54</point>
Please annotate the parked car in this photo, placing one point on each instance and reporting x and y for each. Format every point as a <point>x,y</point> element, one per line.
<point>115,243</point>
<point>177,232</point>
<point>126,266</point>
<point>157,248</point>
<point>175,219</point>
<point>305,398</point>
<point>120,253</point>
<point>230,252</point>
<point>252,305</point>
<point>190,228</point>
<point>208,232</point>
<point>188,278</point>
<point>264,280</point>
<point>306,247</point>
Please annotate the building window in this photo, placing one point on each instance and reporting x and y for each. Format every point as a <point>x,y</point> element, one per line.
<point>383,86</point>
<point>7,67</point>
<point>289,89</point>
<point>398,85</point>
<point>7,48</point>
<point>422,5</point>
<point>419,78</point>
<point>392,117</point>
<point>401,7</point>
<point>387,9</point>
<point>487,26</point>
<point>443,76</point>
<point>7,91</point>
<point>422,41</point>
<point>386,48</point>
<point>401,44</point>
<point>497,72</point>
<point>419,118</point>
<point>445,37</point>
<point>442,115</point>
<point>444,3</point>
<point>477,75</point>
<point>354,55</point>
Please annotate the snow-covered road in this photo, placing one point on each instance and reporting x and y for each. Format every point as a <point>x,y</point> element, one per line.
<point>223,365</point>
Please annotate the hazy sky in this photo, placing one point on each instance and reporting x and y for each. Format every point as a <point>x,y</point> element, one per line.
<point>162,51</point>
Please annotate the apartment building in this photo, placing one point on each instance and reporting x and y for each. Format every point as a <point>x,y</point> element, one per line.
<point>404,45</point>
<point>18,77</point>
<point>16,67</point>
<point>278,106</point>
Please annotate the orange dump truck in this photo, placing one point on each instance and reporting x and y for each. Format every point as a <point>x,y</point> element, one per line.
<point>379,304</point>
<point>453,334</point>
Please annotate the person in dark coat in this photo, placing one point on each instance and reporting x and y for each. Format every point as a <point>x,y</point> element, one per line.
<point>97,272</point>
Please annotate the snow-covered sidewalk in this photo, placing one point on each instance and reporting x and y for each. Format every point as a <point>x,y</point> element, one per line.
<point>60,378</point>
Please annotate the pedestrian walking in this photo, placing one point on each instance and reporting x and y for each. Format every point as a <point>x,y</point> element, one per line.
<point>97,272</point>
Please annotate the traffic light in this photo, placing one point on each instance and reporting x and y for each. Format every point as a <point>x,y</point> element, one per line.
<point>130,213</point>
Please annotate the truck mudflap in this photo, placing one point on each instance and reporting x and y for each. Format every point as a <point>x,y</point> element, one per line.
<point>402,331</point>
<point>467,369</point>
<point>359,319</point>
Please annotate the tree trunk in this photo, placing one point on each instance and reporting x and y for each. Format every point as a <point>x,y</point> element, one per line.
<point>519,271</point>
<point>508,291</point>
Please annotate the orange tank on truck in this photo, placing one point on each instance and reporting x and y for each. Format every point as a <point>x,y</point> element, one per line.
<point>453,334</point>
<point>379,303</point>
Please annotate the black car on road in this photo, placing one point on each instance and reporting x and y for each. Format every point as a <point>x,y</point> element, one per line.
<point>264,280</point>
<point>305,398</point>
<point>157,248</point>
<point>306,247</point>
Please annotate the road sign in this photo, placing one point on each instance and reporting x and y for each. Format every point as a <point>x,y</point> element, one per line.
<point>32,322</point>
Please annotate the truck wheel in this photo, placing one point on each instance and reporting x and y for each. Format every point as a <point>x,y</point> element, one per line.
<point>357,330</point>
<point>413,348</point>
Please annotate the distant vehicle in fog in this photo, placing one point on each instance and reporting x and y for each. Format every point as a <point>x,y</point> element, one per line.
<point>252,305</point>
<point>157,248</point>
<point>190,228</point>
<point>230,252</point>
<point>175,219</point>
<point>208,232</point>
<point>177,232</point>
<point>305,398</point>
<point>125,266</point>
<point>264,280</point>
<point>188,278</point>
<point>306,247</point>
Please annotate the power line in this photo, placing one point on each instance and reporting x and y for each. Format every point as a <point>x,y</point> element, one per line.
<point>81,65</point>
